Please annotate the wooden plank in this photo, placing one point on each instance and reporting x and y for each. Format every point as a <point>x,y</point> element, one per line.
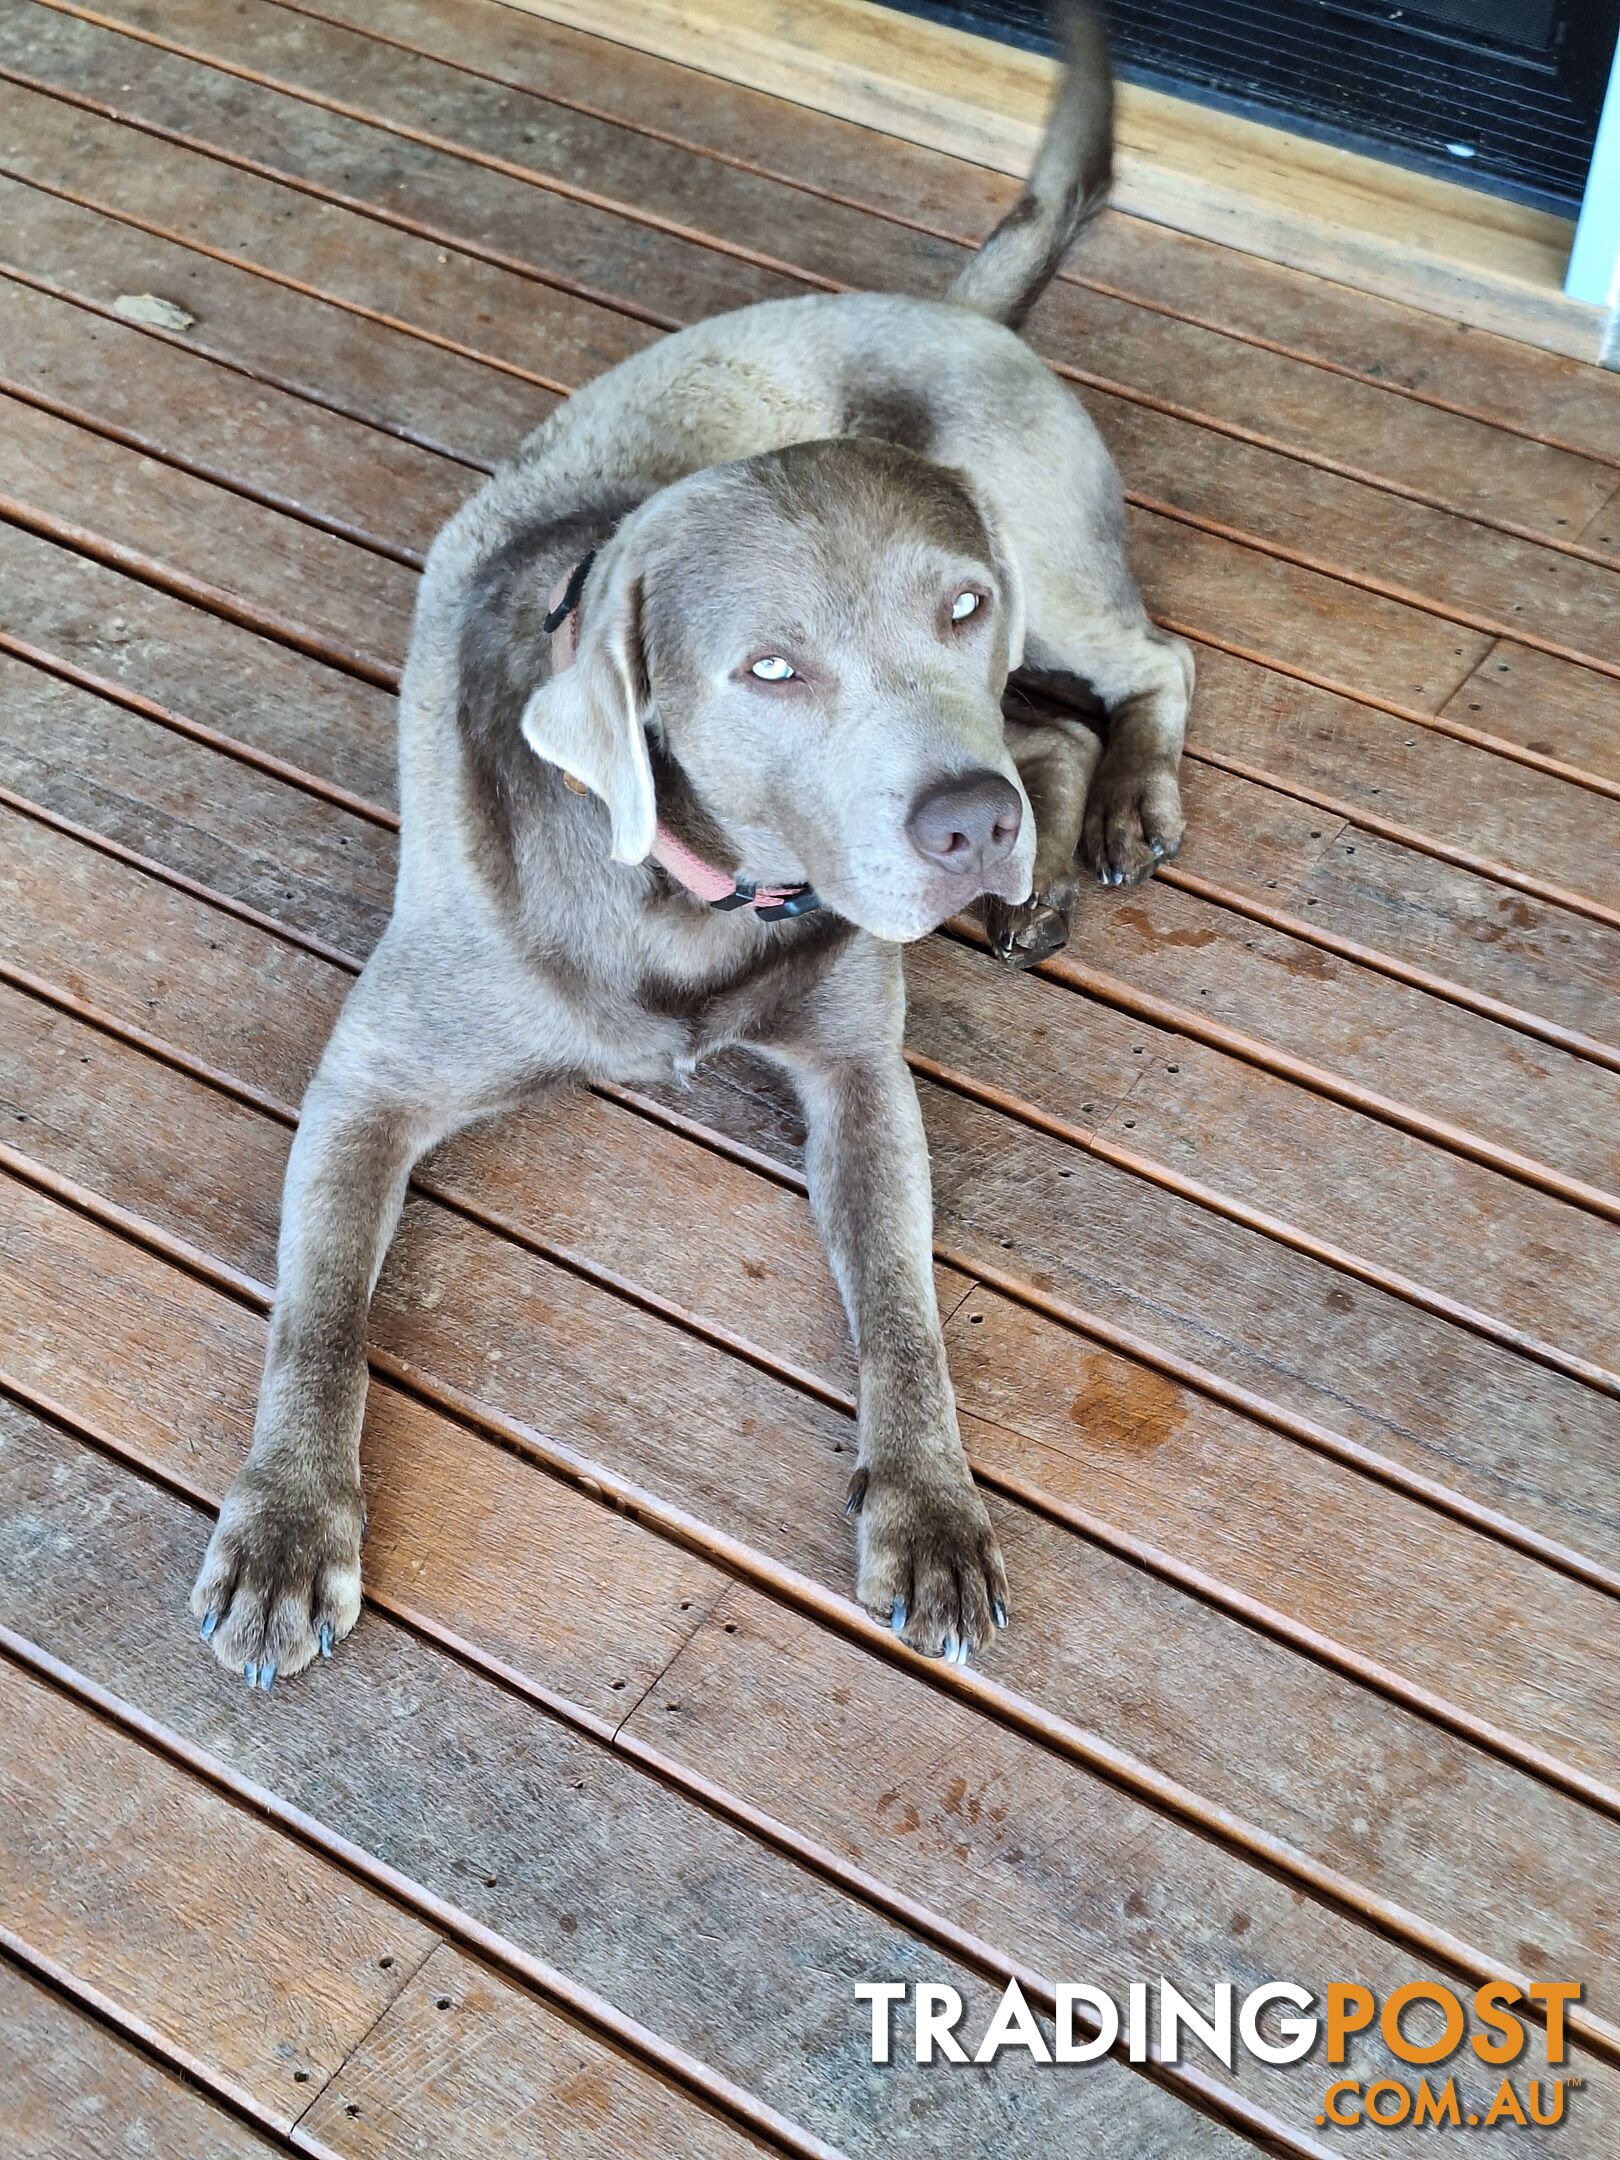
<point>319,247</point>
<point>1167,951</point>
<point>1420,1214</point>
<point>1453,459</point>
<point>157,397</point>
<point>1404,1206</point>
<point>1055,1811</point>
<point>177,1388</point>
<point>443,199</point>
<point>120,1869</point>
<point>198,671</point>
<point>1082,1427</point>
<point>680,1443</point>
<point>1429,241</point>
<point>1252,849</point>
<point>281,573</point>
<point>1420,671</point>
<point>461,2058</point>
<point>420,2075</point>
<point>1548,396</point>
<point>944,1804</point>
<point>71,2087</point>
<point>222,824</point>
<point>1345,1367</point>
<point>1534,1269</point>
<point>964,999</point>
<point>262,567</point>
<point>1375,767</point>
<point>573,1858</point>
<point>1203,600</point>
<point>1471,939</point>
<point>420,391</point>
<point>1525,697</point>
<point>1298,618</point>
<point>1408,549</point>
<point>1510,385</point>
<point>1504,942</point>
<point>178,1391</point>
<point>1277,1325</point>
<point>1307,1350</point>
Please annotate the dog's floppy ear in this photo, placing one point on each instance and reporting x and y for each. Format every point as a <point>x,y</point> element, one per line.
<point>591,718</point>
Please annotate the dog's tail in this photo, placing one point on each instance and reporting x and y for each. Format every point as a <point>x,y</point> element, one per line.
<point>1069,185</point>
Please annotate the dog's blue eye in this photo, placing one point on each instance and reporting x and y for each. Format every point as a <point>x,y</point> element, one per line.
<point>772,669</point>
<point>964,605</point>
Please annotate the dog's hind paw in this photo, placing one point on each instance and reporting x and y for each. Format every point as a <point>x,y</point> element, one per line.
<point>1133,822</point>
<point>280,1581</point>
<point>930,1567</point>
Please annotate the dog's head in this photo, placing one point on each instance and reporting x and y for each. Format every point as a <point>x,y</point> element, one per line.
<point>818,640</point>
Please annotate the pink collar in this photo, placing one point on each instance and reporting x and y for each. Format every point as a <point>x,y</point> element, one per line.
<point>723,892</point>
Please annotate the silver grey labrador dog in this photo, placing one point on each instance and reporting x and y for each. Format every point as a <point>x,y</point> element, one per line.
<point>702,721</point>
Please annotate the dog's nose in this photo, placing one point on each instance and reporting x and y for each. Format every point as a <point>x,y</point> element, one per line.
<point>967,824</point>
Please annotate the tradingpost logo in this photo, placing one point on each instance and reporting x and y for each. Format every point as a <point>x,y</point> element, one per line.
<point>1446,2060</point>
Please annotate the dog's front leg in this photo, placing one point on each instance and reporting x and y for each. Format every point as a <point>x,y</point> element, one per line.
<point>280,1581</point>
<point>929,1562</point>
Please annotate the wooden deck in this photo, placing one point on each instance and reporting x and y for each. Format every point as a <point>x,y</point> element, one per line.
<point>1275,1219</point>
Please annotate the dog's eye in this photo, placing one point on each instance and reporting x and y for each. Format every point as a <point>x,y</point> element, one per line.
<point>773,668</point>
<point>964,605</point>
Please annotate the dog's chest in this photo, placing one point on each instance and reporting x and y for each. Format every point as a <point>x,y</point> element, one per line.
<point>753,991</point>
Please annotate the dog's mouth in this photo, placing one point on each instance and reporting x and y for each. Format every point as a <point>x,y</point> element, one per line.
<point>903,909</point>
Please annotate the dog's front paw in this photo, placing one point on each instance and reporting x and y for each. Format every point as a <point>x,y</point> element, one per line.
<point>1033,931</point>
<point>280,1581</point>
<point>1133,822</point>
<point>929,1562</point>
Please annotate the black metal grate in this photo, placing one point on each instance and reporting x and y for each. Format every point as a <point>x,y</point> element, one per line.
<point>1514,112</point>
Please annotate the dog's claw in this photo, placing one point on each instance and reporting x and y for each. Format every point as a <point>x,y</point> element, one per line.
<point>267,1678</point>
<point>998,1612</point>
<point>209,1625</point>
<point>856,1495</point>
<point>948,1649</point>
<point>250,1673</point>
<point>325,1638</point>
<point>897,1616</point>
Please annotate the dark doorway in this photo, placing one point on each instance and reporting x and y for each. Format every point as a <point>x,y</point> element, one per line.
<point>1502,93</point>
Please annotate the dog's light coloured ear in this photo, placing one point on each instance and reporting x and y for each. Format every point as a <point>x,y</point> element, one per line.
<point>591,719</point>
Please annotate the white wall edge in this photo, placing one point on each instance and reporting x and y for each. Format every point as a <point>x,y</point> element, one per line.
<point>1594,261</point>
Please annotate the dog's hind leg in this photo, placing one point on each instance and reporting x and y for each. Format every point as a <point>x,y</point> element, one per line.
<point>1143,677</point>
<point>1134,820</point>
<point>280,1582</point>
<point>1088,632</point>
